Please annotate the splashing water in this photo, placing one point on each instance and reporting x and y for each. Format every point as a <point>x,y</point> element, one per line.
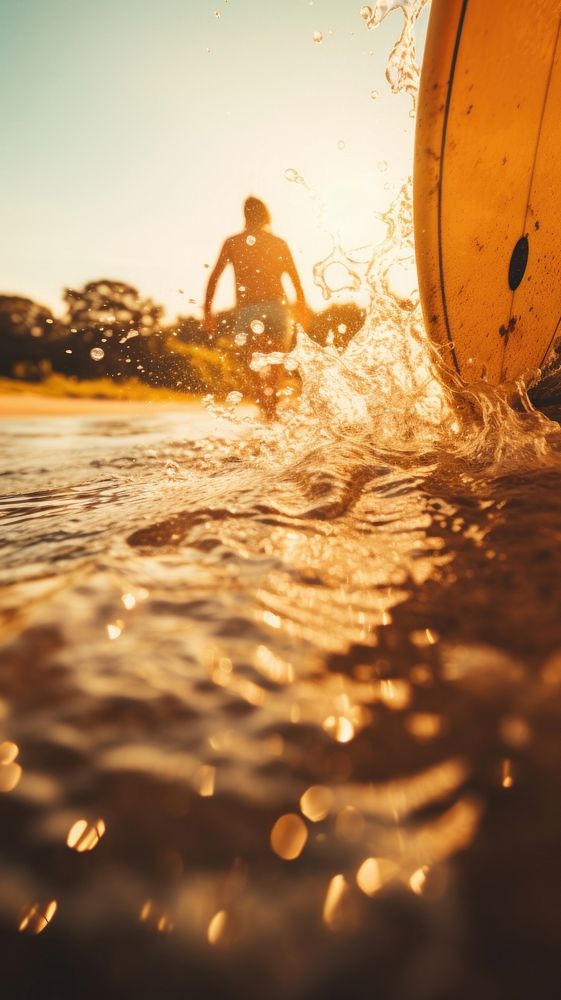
<point>402,70</point>
<point>271,701</point>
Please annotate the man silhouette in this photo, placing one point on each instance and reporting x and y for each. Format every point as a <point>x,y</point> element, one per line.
<point>263,322</point>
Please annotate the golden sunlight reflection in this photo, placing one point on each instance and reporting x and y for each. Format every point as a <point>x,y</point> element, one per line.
<point>8,752</point>
<point>36,917</point>
<point>375,873</point>
<point>424,726</point>
<point>424,637</point>
<point>443,837</point>
<point>289,836</point>
<point>155,917</point>
<point>507,776</point>
<point>114,629</point>
<point>336,891</point>
<point>272,667</point>
<point>128,601</point>
<point>395,694</point>
<point>417,880</point>
<point>274,621</point>
<point>205,781</point>
<point>340,728</point>
<point>217,927</point>
<point>10,770</point>
<point>403,796</point>
<point>84,836</point>
<point>316,803</point>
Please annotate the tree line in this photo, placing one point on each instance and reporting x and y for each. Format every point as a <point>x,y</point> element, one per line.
<point>109,329</point>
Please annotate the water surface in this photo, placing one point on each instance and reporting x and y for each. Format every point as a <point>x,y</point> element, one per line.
<point>303,687</point>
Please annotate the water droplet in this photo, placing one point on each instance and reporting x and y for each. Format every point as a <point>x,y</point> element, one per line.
<point>340,728</point>
<point>341,144</point>
<point>217,926</point>
<point>205,780</point>
<point>153,915</point>
<point>418,879</point>
<point>8,752</point>
<point>128,601</point>
<point>114,630</point>
<point>84,836</point>
<point>374,873</point>
<point>316,802</point>
<point>171,468</point>
<point>250,240</point>
<point>36,917</point>
<point>233,398</point>
<point>382,166</point>
<point>97,353</point>
<point>395,694</point>
<point>374,95</point>
<point>507,777</point>
<point>336,890</point>
<point>318,37</point>
<point>289,836</point>
<point>240,339</point>
<point>366,13</point>
<point>257,326</point>
<point>10,771</point>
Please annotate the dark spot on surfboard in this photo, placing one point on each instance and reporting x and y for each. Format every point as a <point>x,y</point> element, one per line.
<point>505,159</point>
<point>536,225</point>
<point>507,328</point>
<point>518,263</point>
<point>469,110</point>
<point>435,86</point>
<point>434,319</point>
<point>433,155</point>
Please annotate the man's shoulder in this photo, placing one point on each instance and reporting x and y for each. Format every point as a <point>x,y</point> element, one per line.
<point>280,245</point>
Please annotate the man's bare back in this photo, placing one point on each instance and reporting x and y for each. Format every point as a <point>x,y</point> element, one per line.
<point>259,260</point>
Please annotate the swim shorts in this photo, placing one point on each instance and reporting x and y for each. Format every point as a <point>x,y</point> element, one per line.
<point>266,327</point>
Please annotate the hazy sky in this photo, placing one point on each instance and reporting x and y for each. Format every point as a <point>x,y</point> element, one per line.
<point>132,131</point>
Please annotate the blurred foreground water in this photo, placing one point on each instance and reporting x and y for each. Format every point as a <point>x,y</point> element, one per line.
<point>281,712</point>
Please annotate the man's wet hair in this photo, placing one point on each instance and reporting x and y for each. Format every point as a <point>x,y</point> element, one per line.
<point>256,212</point>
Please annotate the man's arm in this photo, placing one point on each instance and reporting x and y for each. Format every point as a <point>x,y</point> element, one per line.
<point>209,322</point>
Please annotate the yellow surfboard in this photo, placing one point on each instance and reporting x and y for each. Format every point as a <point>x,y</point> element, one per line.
<point>487,184</point>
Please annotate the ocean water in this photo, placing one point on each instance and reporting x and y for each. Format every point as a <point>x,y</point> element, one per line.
<point>281,706</point>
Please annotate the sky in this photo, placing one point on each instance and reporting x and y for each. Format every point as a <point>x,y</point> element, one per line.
<point>133,130</point>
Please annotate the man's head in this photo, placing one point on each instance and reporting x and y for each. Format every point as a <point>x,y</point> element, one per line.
<point>256,213</point>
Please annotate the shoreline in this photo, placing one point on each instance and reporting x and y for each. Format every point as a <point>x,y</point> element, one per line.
<point>28,405</point>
